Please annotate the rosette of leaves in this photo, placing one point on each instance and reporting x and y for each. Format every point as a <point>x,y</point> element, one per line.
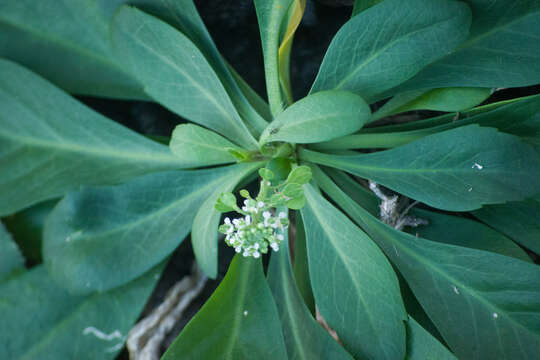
<point>458,287</point>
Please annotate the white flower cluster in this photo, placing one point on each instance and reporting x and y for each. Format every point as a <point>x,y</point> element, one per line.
<point>253,234</point>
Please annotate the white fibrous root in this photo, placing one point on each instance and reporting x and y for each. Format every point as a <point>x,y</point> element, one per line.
<point>257,231</point>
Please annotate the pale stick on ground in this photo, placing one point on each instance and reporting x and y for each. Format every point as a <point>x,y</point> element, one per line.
<point>145,338</point>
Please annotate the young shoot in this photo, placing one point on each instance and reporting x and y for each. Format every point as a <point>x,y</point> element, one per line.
<point>261,226</point>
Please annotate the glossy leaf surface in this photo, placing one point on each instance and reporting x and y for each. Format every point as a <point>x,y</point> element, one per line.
<point>465,232</point>
<point>485,305</point>
<point>69,327</point>
<point>520,220</point>
<point>198,146</point>
<point>458,170</point>
<point>422,345</point>
<point>185,82</point>
<point>304,338</point>
<point>355,288</point>
<point>271,14</point>
<point>361,5</point>
<point>67,42</point>
<point>319,117</point>
<point>444,99</point>
<point>239,321</point>
<point>102,237</point>
<point>389,43</point>
<point>52,144</point>
<point>502,49</point>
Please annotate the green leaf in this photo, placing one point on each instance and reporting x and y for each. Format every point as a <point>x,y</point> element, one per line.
<point>519,117</point>
<point>52,144</point>
<point>266,174</point>
<point>485,305</point>
<point>389,43</point>
<point>355,288</point>
<point>239,321</point>
<point>502,50</point>
<point>355,191</point>
<point>68,43</point>
<point>10,256</point>
<point>300,175</point>
<point>27,229</point>
<point>301,266</point>
<point>197,146</point>
<point>466,233</point>
<point>281,168</point>
<point>361,5</point>
<point>444,99</point>
<point>255,101</point>
<point>461,116</point>
<point>304,337</point>
<point>296,203</point>
<point>183,15</point>
<point>517,220</point>
<point>102,237</point>
<point>319,117</point>
<point>185,83</point>
<point>457,170</point>
<point>293,190</point>
<point>60,326</point>
<point>228,199</point>
<point>422,345</point>
<point>271,14</point>
<point>204,233</point>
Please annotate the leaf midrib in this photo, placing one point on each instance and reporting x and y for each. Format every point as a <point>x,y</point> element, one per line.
<point>93,150</point>
<point>235,121</point>
<point>288,295</point>
<point>375,224</point>
<point>483,35</point>
<point>326,226</point>
<point>374,55</point>
<point>70,46</point>
<point>325,159</point>
<point>237,320</point>
<point>199,190</point>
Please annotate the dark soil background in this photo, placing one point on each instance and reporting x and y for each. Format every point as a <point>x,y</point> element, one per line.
<point>233,24</point>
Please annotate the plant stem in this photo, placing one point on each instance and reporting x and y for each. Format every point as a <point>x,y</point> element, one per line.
<point>372,141</point>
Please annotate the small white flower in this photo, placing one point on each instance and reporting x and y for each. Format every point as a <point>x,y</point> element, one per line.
<point>266,214</point>
<point>280,237</point>
<point>274,246</point>
<point>246,202</point>
<point>238,249</point>
<point>282,215</point>
<point>245,254</point>
<point>260,204</point>
<point>256,254</point>
<point>256,246</point>
<point>248,219</point>
<point>236,222</point>
<point>227,221</point>
<point>245,208</point>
